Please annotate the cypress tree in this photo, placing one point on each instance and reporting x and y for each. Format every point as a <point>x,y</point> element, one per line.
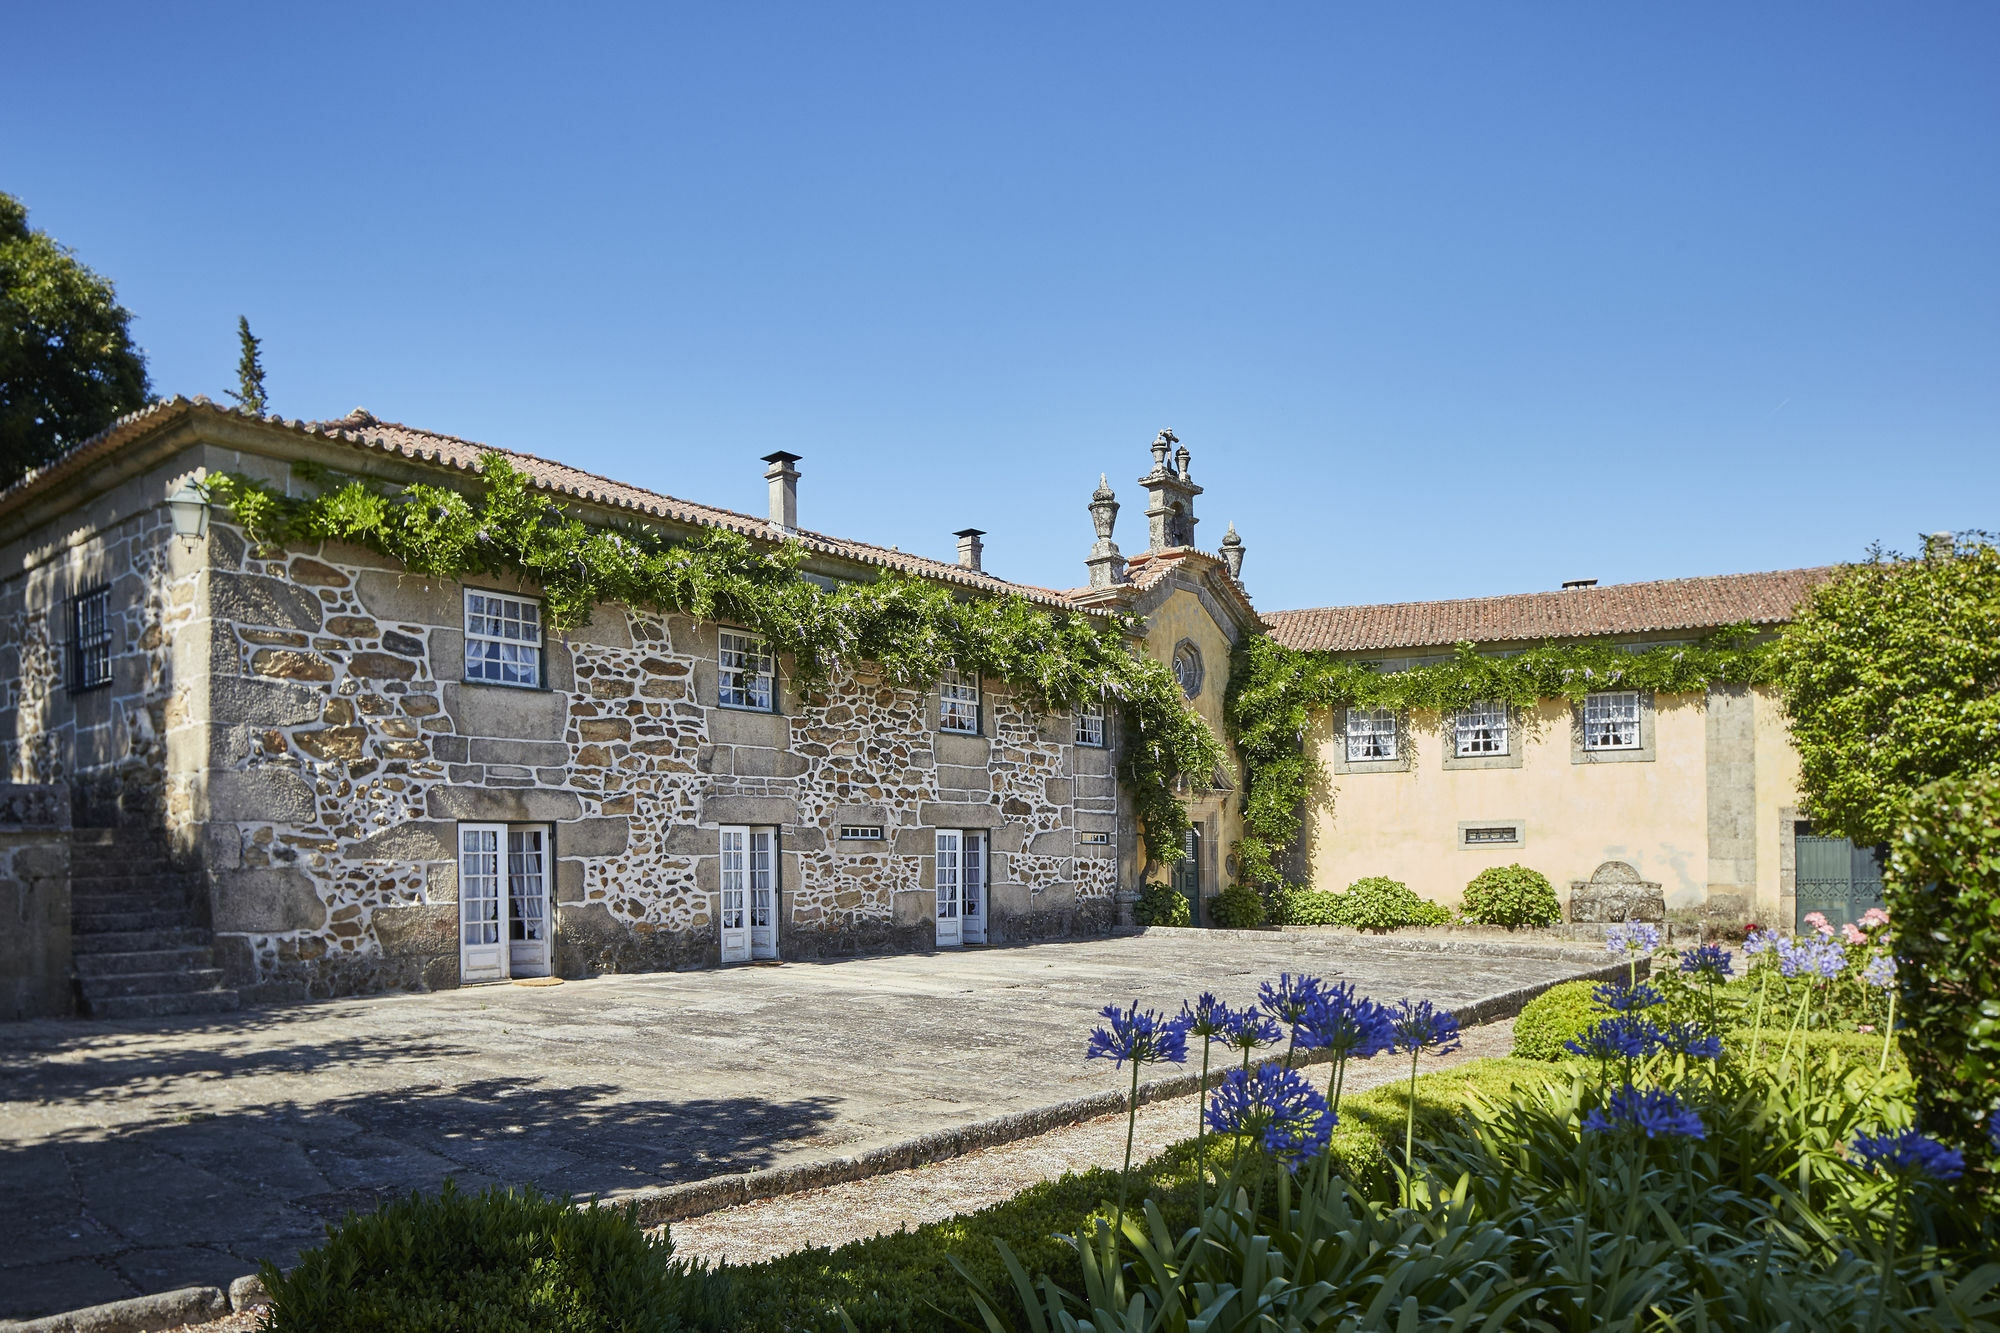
<point>249,391</point>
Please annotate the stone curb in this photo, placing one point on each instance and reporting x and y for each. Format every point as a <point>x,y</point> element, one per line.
<point>677,1203</point>
<point>1550,948</point>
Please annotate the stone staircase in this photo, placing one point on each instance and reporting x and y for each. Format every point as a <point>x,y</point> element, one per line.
<point>139,947</point>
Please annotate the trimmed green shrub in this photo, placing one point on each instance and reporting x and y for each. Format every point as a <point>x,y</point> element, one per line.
<point>1306,907</point>
<point>1511,896</point>
<point>1238,907</point>
<point>1381,904</point>
<point>1554,1017</point>
<point>500,1262</point>
<point>1162,905</point>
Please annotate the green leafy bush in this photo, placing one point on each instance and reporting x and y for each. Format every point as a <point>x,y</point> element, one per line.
<point>1161,905</point>
<point>1555,1016</point>
<point>1306,907</point>
<point>1381,904</point>
<point>1943,894</point>
<point>1511,896</point>
<point>1238,907</point>
<point>499,1262</point>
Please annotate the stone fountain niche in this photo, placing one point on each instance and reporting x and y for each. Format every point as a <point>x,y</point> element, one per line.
<point>1614,893</point>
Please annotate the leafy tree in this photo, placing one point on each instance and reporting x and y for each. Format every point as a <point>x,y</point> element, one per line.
<point>249,390</point>
<point>68,367</point>
<point>1891,677</point>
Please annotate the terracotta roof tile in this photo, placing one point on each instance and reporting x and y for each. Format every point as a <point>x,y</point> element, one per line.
<point>1619,608</point>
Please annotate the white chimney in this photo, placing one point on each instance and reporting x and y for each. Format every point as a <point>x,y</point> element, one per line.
<point>970,548</point>
<point>784,479</point>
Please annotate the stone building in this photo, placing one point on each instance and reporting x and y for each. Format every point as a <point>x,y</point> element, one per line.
<point>308,772</point>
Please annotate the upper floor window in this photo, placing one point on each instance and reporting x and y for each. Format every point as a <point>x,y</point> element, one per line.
<point>1481,729</point>
<point>1611,720</point>
<point>1371,734</point>
<point>503,639</point>
<point>1090,725</point>
<point>745,672</point>
<point>958,702</point>
<point>90,639</point>
<point>1187,668</point>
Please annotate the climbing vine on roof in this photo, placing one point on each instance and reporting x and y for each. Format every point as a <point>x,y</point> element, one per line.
<point>912,629</point>
<point>1275,690</point>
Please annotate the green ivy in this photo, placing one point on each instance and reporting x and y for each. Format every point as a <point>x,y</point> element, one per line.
<point>1274,692</point>
<point>913,629</point>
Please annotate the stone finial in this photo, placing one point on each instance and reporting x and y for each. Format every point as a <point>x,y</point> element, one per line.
<point>970,548</point>
<point>1181,457</point>
<point>1232,553</point>
<point>1162,442</point>
<point>1104,508</point>
<point>784,479</point>
<point>1106,565</point>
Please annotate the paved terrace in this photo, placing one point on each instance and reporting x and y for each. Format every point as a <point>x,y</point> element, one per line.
<point>142,1156</point>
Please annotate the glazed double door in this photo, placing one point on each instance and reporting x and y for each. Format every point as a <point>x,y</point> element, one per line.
<point>749,897</point>
<point>961,887</point>
<point>504,921</point>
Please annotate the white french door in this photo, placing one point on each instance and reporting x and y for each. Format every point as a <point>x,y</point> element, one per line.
<point>950,888</point>
<point>973,878</point>
<point>763,893</point>
<point>528,943</point>
<point>735,906</point>
<point>482,911</point>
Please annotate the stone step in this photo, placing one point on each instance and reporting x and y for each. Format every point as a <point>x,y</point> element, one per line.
<point>139,941</point>
<point>152,983</point>
<point>95,923</point>
<point>118,863</point>
<point>181,887</point>
<point>84,903</point>
<point>196,958</point>
<point>218,1001</point>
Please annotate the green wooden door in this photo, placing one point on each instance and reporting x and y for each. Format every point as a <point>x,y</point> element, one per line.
<point>1836,879</point>
<point>1187,875</point>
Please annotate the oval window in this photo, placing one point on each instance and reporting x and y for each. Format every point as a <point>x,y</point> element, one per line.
<point>1187,668</point>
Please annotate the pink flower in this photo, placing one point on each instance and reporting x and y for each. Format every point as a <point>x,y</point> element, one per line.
<point>1867,1027</point>
<point>1818,921</point>
<point>1873,917</point>
<point>1854,933</point>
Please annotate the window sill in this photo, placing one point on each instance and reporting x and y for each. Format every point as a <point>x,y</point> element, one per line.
<point>507,685</point>
<point>1456,763</point>
<point>747,708</point>
<point>1642,754</point>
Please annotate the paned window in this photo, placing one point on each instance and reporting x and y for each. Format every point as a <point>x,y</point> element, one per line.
<point>1371,734</point>
<point>1187,669</point>
<point>958,703</point>
<point>90,639</point>
<point>1498,833</point>
<point>1611,720</point>
<point>745,671</point>
<point>503,639</point>
<point>861,833</point>
<point>1094,839</point>
<point>1482,729</point>
<point>1090,725</point>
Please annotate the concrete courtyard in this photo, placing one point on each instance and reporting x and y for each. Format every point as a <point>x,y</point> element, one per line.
<point>140,1157</point>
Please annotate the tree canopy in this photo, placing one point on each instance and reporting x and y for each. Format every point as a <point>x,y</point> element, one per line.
<point>67,364</point>
<point>1891,677</point>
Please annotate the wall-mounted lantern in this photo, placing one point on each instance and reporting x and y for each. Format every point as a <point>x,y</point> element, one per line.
<point>189,508</point>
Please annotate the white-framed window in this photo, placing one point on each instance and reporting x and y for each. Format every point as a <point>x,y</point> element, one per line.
<point>1090,725</point>
<point>1481,729</point>
<point>1371,734</point>
<point>958,702</point>
<point>745,671</point>
<point>90,639</point>
<point>503,639</point>
<point>1094,839</point>
<point>1611,720</point>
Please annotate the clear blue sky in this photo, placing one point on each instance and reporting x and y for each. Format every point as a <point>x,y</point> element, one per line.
<point>1446,299</point>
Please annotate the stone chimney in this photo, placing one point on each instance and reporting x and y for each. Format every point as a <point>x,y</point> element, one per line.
<point>970,548</point>
<point>1106,566</point>
<point>1940,545</point>
<point>784,479</point>
<point>1170,516</point>
<point>1232,553</point>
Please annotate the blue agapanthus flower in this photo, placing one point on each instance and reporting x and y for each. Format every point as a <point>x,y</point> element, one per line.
<point>1691,1040</point>
<point>1249,1029</point>
<point>1142,1036</point>
<point>1621,1038</point>
<point>1619,998</point>
<point>1711,961</point>
<point>1761,941</point>
<point>1420,1027</point>
<point>1291,999</point>
<point>1880,971</point>
<point>1277,1106</point>
<point>1632,940</point>
<point>1349,1025</point>
<point>1654,1112</point>
<point>1206,1017</point>
<point>1993,1129</point>
<point>1909,1153</point>
<point>1819,957</point>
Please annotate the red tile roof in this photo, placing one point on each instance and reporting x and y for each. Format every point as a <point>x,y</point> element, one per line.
<point>363,430</point>
<point>1619,608</point>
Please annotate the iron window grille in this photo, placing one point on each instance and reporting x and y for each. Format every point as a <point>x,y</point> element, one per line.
<point>90,639</point>
<point>1090,725</point>
<point>1371,734</point>
<point>745,672</point>
<point>1611,720</point>
<point>1094,839</point>
<point>958,703</point>
<point>861,833</point>
<point>503,639</point>
<point>1506,833</point>
<point>1482,729</point>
